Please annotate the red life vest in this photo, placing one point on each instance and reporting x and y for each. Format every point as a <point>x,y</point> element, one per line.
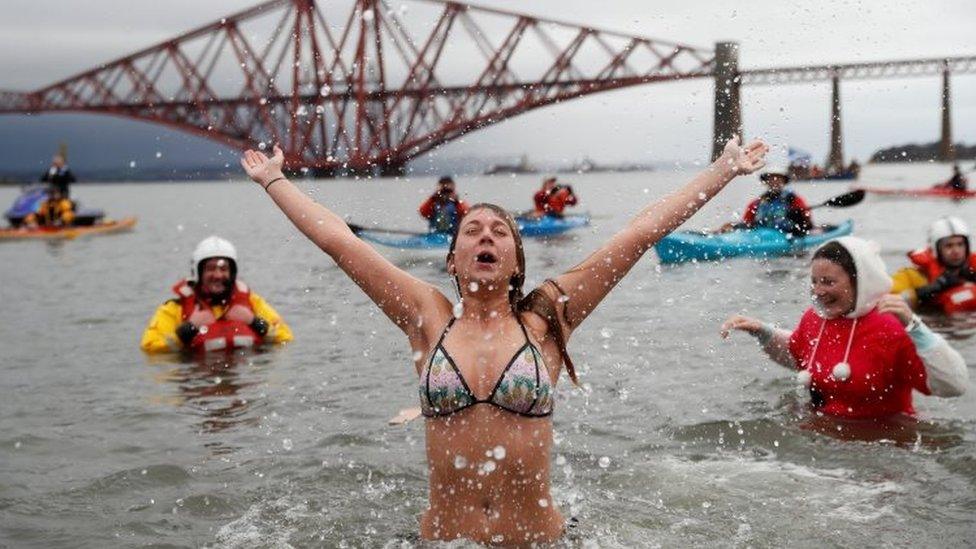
<point>956,299</point>
<point>222,333</point>
<point>884,366</point>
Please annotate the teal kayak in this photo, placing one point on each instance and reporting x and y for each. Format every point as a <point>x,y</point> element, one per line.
<point>760,242</point>
<point>419,241</point>
<point>529,227</point>
<point>547,225</point>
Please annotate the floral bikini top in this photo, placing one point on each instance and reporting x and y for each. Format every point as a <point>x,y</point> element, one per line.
<point>524,387</point>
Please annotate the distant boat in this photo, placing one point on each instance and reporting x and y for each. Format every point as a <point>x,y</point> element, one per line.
<point>589,166</point>
<point>522,167</point>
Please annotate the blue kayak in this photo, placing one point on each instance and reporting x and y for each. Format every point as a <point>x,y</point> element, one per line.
<point>760,242</point>
<point>529,227</point>
<point>547,225</point>
<point>419,241</point>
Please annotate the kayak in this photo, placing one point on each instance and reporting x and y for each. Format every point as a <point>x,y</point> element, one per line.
<point>922,193</point>
<point>547,225</point>
<point>61,233</point>
<point>419,241</point>
<point>759,242</point>
<point>529,227</point>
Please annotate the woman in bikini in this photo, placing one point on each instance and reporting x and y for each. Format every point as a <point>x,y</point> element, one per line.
<point>487,366</point>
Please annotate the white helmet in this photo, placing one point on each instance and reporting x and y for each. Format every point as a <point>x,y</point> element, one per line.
<point>775,170</point>
<point>210,247</point>
<point>944,227</point>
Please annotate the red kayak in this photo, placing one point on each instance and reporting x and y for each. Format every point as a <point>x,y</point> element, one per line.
<point>921,193</point>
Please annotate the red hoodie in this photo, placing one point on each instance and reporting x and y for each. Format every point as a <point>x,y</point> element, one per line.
<point>884,365</point>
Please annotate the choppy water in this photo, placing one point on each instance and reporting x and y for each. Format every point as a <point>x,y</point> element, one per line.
<point>676,439</point>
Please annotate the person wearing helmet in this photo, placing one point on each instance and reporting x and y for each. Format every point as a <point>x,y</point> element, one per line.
<point>778,208</point>
<point>944,273</point>
<point>213,309</point>
<point>443,209</point>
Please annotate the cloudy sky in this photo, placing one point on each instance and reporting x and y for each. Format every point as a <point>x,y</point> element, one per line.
<point>46,40</point>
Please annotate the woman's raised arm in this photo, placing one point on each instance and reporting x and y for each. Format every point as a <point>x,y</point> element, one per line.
<point>402,297</point>
<point>589,282</point>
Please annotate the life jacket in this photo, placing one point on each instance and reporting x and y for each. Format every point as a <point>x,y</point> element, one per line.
<point>222,333</point>
<point>446,216</point>
<point>956,299</point>
<point>773,212</point>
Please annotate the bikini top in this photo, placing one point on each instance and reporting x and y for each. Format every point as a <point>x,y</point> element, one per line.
<point>523,388</point>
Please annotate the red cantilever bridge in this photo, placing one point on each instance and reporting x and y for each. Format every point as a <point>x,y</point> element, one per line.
<point>367,87</point>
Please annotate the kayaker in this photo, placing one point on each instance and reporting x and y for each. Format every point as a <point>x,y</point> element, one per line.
<point>488,365</point>
<point>553,198</point>
<point>778,208</point>
<point>59,176</point>
<point>944,272</point>
<point>213,310</point>
<point>55,211</point>
<point>443,209</point>
<point>957,182</point>
<point>860,350</point>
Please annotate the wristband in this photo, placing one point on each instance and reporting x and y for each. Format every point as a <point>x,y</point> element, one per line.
<point>272,182</point>
<point>764,334</point>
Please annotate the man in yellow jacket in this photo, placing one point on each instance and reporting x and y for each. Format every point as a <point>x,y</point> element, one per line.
<point>943,275</point>
<point>213,310</point>
<point>56,211</point>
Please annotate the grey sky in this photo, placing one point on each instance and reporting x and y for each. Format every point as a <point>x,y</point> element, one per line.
<point>47,40</point>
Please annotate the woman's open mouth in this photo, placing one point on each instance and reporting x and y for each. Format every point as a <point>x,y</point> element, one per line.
<point>486,258</point>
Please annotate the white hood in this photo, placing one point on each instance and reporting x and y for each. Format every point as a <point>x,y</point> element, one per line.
<point>873,281</point>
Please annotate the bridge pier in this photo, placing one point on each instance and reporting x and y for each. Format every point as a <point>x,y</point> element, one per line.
<point>728,106</point>
<point>835,160</point>
<point>947,153</point>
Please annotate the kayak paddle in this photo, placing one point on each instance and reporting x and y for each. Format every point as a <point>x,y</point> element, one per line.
<point>359,229</point>
<point>843,200</point>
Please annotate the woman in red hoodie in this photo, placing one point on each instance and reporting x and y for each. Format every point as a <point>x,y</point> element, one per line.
<point>860,350</point>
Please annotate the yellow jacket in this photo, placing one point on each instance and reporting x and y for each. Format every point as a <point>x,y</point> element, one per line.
<point>906,281</point>
<point>53,212</point>
<point>160,335</point>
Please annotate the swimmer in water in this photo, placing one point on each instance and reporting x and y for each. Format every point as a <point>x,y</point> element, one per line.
<point>859,349</point>
<point>488,366</point>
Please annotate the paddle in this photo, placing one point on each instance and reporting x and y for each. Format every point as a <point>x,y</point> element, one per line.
<point>359,229</point>
<point>843,200</point>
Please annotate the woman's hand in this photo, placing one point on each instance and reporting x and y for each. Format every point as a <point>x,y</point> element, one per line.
<point>746,324</point>
<point>896,305</point>
<point>262,169</point>
<point>744,160</point>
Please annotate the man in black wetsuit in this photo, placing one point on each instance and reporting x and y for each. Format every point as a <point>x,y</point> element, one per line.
<point>59,176</point>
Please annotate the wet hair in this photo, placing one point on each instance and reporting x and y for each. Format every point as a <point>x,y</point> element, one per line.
<point>445,179</point>
<point>538,301</point>
<point>836,253</point>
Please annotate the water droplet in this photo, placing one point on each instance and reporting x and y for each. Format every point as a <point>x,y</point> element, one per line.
<point>473,286</point>
<point>499,452</point>
<point>287,444</point>
<point>606,333</point>
<point>604,462</point>
<point>132,163</point>
<point>368,15</point>
<point>17,445</point>
<point>262,145</point>
<point>543,502</point>
<point>159,154</point>
<point>488,466</point>
<point>460,462</point>
<point>458,309</point>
